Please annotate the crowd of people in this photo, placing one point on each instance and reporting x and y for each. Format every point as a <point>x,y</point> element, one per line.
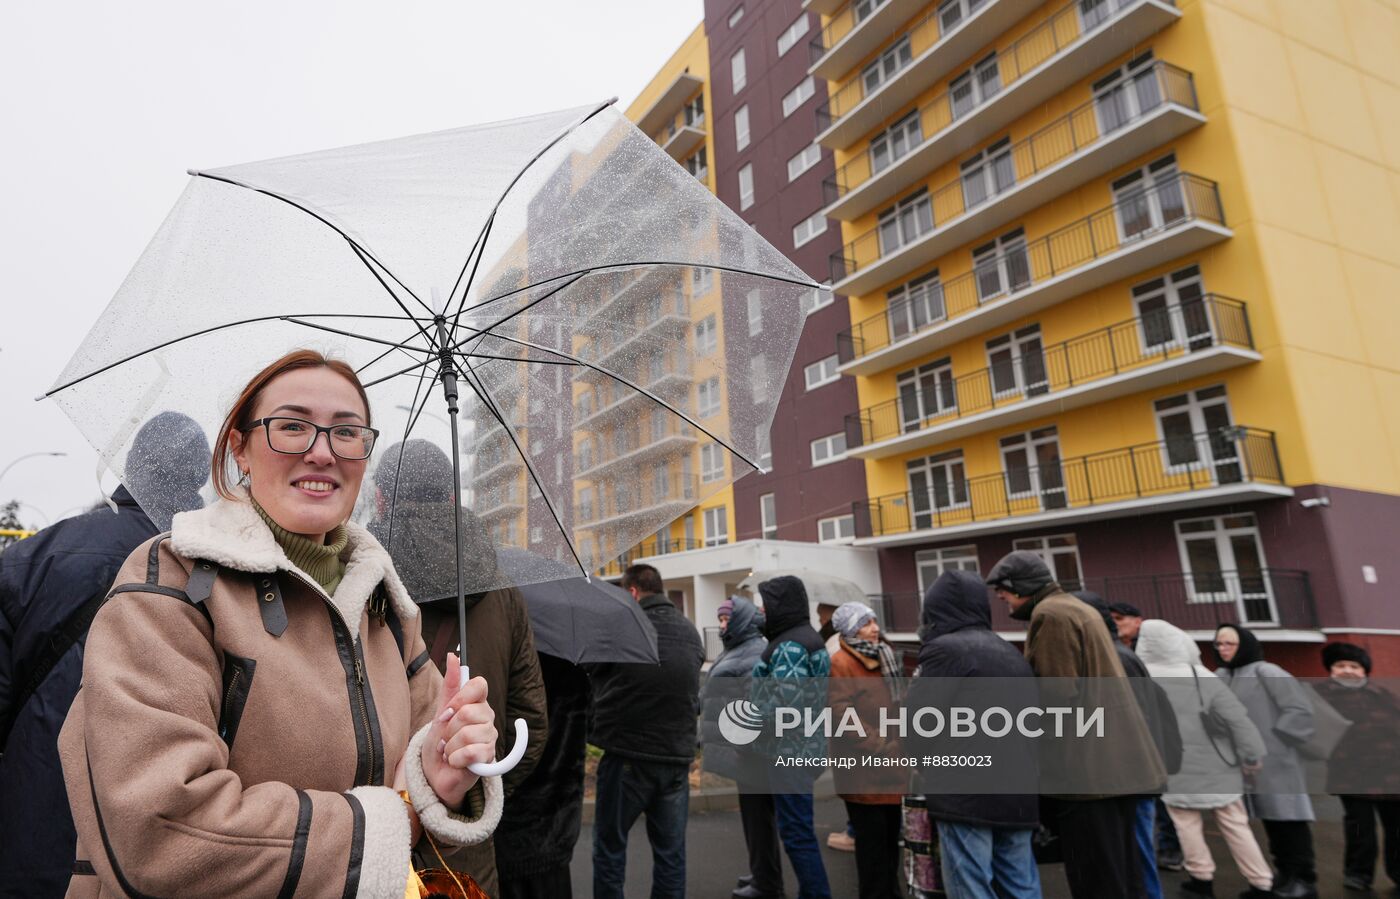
<point>173,695</point>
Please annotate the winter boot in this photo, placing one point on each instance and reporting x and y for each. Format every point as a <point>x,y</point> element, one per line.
<point>1293,888</point>
<point>1194,887</point>
<point>1256,893</point>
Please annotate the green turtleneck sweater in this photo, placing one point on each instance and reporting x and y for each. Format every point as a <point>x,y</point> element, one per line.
<point>320,560</point>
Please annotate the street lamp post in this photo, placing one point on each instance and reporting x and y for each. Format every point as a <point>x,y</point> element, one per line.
<point>6,470</point>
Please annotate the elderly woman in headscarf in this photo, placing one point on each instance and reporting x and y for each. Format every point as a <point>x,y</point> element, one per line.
<point>866,676</point>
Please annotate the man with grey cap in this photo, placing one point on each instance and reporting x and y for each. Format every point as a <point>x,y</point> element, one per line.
<point>1069,648</point>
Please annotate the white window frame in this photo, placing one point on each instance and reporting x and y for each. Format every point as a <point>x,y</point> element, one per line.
<point>953,466</point>
<point>741,127</point>
<point>981,82</point>
<point>1155,190</point>
<point>789,38</point>
<point>536,534</point>
<point>825,449</point>
<point>711,462</point>
<point>863,8</point>
<point>1008,259</point>
<point>753,303</point>
<point>1126,93</point>
<point>738,70</point>
<point>935,378</point>
<point>736,15</point>
<point>1028,445</point>
<point>746,186</point>
<point>768,516</point>
<point>808,229</point>
<point>836,529</point>
<point>907,221</point>
<point>895,142</point>
<point>1050,555</point>
<point>706,335</point>
<point>758,378</point>
<point>947,558</point>
<point>698,166</point>
<point>1222,532</point>
<point>992,171</point>
<point>794,99</point>
<point>810,156</point>
<point>915,305</point>
<point>702,280</point>
<point>707,400</point>
<point>1023,346</point>
<point>1181,294</point>
<point>891,61</point>
<point>822,372</point>
<point>963,8</point>
<point>1195,407</point>
<point>763,446</point>
<point>817,298</point>
<point>716,520</point>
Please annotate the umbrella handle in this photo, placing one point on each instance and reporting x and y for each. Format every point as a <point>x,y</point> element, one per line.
<point>517,751</point>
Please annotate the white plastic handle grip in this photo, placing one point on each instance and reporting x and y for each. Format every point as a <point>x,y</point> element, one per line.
<point>517,751</point>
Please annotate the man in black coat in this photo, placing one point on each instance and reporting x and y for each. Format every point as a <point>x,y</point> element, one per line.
<point>985,839</point>
<point>644,721</point>
<point>51,586</point>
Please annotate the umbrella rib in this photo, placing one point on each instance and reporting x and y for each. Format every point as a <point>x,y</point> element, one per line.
<point>489,358</point>
<point>643,391</point>
<point>482,334</point>
<point>318,217</point>
<point>379,340</point>
<point>395,297</point>
<point>403,445</point>
<point>480,242</point>
<point>414,367</point>
<point>363,368</point>
<point>480,390</point>
<point>479,248</point>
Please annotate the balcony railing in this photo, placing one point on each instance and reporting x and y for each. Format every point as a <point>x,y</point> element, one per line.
<point>670,307</point>
<point>1132,100</point>
<point>923,34</point>
<point>1028,52</point>
<point>630,441</point>
<point>1167,333</point>
<point>1219,458</point>
<point>646,549</point>
<point>1266,597</point>
<point>1137,216</point>
<point>663,376</point>
<point>625,499</point>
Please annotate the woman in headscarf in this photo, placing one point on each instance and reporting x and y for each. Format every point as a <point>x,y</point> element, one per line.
<point>1280,708</point>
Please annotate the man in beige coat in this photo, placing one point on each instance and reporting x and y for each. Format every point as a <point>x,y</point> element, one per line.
<point>1067,645</point>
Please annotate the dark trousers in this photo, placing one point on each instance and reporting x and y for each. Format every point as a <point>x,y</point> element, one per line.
<point>548,883</point>
<point>1098,839</point>
<point>1167,842</point>
<point>799,836</point>
<point>761,838</point>
<point>628,789</point>
<point>1359,827</point>
<point>1291,845</point>
<point>877,848</point>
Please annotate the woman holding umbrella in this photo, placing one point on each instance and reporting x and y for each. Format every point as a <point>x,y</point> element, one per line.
<point>256,709</point>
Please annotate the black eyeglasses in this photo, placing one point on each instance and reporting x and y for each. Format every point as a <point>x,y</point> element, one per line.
<point>296,436</point>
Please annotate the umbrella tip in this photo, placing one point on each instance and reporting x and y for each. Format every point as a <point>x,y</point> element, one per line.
<point>193,173</point>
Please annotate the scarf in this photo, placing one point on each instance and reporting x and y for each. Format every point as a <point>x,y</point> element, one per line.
<point>890,669</point>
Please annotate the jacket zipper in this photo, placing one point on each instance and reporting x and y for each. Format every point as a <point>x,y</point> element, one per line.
<point>228,696</point>
<point>360,698</point>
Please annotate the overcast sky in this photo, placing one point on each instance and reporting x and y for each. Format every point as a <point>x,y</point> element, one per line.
<point>106,106</point>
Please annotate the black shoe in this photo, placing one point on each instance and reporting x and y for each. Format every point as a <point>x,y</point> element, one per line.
<point>1356,885</point>
<point>1171,861</point>
<point>744,881</point>
<point>1256,893</point>
<point>749,891</point>
<point>1293,888</point>
<point>1194,887</point>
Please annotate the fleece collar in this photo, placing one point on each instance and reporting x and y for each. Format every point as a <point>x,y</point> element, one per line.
<point>231,534</point>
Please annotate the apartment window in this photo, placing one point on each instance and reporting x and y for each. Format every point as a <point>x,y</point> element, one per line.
<point>746,186</point>
<point>706,336</point>
<point>807,229</point>
<point>536,534</point>
<point>738,72</point>
<point>803,161</point>
<point>789,38</point>
<point>1197,432</point>
<point>815,299</point>
<point>936,483</point>
<point>901,224</point>
<point>658,367</point>
<point>1126,93</point>
<point>697,166</point>
<point>974,87</point>
<point>741,127</point>
<point>1093,13</point>
<point>707,397</point>
<point>863,8</point>
<point>988,173</point>
<point>915,305</point>
<point>1002,266</point>
<point>931,563</point>
<point>890,62</point>
<point>585,504</point>
<point>763,444</point>
<point>702,279</point>
<point>1017,363</point>
<point>1149,199</point>
<point>953,12</point>
<point>558,469</point>
<point>1223,560</point>
<point>828,449</point>
<point>1031,463</point>
<point>661,482</point>
<point>534,489</point>
<point>768,515</point>
<point>695,111</point>
<point>892,143</point>
<point>716,526</point>
<point>1061,554</point>
<point>799,95</point>
<point>758,378</point>
<point>754,307</point>
<point>821,372</point>
<point>711,462</point>
<point>925,393</point>
<point>1172,312</point>
<point>735,16</point>
<point>836,529</point>
<point>585,454</point>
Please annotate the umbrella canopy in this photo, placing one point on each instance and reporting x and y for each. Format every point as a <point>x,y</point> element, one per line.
<point>583,621</point>
<point>560,273</point>
<point>821,588</point>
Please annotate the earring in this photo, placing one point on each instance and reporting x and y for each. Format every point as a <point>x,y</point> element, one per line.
<point>245,478</point>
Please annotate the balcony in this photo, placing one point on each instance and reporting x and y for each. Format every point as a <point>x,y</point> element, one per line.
<point>661,315</point>
<point>1156,105</point>
<point>600,315</point>
<point>1168,221</point>
<point>1197,338</point>
<point>632,443</point>
<point>490,468</point>
<point>1039,65</point>
<point>501,501</point>
<point>682,140</point>
<point>647,549</point>
<point>1227,465</point>
<point>668,380</point>
<point>659,498</point>
<point>669,103</point>
<point>1262,598</point>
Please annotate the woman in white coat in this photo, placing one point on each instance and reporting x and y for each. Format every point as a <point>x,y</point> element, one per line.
<point>1211,776</point>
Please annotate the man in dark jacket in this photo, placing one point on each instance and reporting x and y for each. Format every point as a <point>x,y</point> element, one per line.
<point>986,839</point>
<point>51,586</point>
<point>1072,653</point>
<point>644,721</point>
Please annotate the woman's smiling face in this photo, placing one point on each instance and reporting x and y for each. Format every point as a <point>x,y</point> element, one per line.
<point>314,492</point>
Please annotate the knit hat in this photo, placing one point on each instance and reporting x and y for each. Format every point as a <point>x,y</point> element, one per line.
<point>726,609</point>
<point>1333,653</point>
<point>850,617</point>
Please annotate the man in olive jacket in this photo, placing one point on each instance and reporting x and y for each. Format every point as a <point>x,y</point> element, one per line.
<point>1071,651</point>
<point>644,721</point>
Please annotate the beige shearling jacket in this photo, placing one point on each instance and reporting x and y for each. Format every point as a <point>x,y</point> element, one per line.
<point>236,726</point>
